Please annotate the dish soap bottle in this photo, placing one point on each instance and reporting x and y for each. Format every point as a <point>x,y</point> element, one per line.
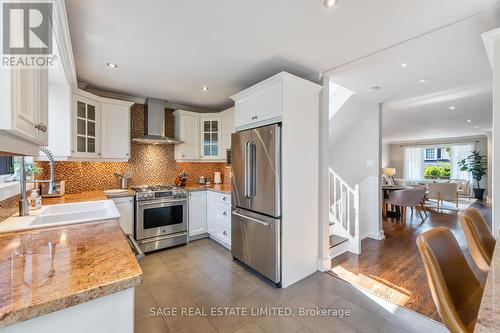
<point>35,200</point>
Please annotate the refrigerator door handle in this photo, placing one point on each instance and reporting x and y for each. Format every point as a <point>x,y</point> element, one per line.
<point>253,172</point>
<point>246,171</point>
<point>251,219</point>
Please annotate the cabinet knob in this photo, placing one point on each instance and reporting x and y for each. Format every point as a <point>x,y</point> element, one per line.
<point>41,127</point>
<point>225,213</point>
<point>99,154</point>
<point>225,198</point>
<point>72,151</point>
<point>254,117</point>
<point>225,233</point>
<point>127,154</point>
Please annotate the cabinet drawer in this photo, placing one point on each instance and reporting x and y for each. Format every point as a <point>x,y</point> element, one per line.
<point>223,198</point>
<point>223,231</point>
<point>222,211</point>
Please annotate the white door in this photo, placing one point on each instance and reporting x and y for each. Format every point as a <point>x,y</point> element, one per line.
<point>197,213</point>
<point>115,131</point>
<point>42,106</point>
<point>86,128</point>
<point>126,208</point>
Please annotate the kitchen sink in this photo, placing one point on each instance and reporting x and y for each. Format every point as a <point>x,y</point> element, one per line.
<point>64,214</point>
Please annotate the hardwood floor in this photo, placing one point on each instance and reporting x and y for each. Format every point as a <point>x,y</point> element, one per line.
<point>392,268</point>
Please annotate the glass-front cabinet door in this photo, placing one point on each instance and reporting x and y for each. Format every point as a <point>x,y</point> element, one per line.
<point>86,127</point>
<point>210,138</point>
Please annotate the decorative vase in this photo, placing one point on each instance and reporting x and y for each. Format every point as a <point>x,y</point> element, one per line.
<point>478,193</point>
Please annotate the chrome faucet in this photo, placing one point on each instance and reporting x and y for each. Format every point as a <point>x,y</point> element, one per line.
<point>23,202</point>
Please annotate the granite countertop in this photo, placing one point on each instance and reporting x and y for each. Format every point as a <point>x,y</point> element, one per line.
<point>488,319</point>
<point>85,196</point>
<point>45,270</point>
<point>222,188</point>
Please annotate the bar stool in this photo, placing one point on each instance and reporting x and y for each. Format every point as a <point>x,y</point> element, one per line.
<point>480,241</point>
<point>455,289</point>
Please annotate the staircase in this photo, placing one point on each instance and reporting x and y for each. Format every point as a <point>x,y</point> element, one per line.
<point>344,227</point>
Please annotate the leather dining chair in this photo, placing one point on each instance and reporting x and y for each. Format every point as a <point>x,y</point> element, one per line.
<point>480,241</point>
<point>455,289</point>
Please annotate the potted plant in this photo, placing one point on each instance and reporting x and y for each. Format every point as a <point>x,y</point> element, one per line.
<point>476,164</point>
<point>31,170</point>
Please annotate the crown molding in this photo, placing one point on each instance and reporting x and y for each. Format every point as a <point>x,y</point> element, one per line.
<point>63,40</point>
<point>489,39</point>
<point>142,100</point>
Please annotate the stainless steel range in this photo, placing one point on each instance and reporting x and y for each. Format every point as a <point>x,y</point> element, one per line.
<point>161,218</point>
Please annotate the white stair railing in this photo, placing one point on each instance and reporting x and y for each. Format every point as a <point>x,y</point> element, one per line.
<point>344,211</point>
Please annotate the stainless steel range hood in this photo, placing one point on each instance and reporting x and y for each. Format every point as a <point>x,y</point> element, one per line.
<point>154,124</point>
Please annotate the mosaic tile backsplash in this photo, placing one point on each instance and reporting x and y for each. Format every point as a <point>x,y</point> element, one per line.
<point>149,164</point>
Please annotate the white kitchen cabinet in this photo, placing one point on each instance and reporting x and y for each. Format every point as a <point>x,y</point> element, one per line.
<point>227,128</point>
<point>202,136</point>
<point>115,129</point>
<point>187,129</point>
<point>219,217</point>
<point>197,213</point>
<point>86,129</point>
<point>24,109</point>
<point>210,144</point>
<point>125,206</point>
<point>260,104</point>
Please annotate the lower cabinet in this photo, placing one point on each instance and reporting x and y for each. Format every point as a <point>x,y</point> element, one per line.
<point>219,217</point>
<point>197,213</point>
<point>125,206</point>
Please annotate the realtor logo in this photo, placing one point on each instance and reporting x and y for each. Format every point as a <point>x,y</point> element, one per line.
<point>27,28</point>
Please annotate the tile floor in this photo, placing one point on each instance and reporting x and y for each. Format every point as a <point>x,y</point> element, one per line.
<point>202,275</point>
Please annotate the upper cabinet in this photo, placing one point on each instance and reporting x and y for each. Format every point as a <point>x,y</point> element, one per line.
<point>187,129</point>
<point>204,135</point>
<point>210,137</point>
<point>86,127</point>
<point>260,104</point>
<point>227,119</point>
<point>24,110</point>
<point>115,129</point>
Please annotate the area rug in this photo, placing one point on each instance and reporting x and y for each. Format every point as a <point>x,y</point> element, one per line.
<point>447,205</point>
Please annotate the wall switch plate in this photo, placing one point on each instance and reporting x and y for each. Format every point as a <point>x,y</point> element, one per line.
<point>369,163</point>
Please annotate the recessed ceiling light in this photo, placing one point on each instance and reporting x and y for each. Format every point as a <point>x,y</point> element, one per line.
<point>330,3</point>
<point>452,107</point>
<point>111,65</point>
<point>404,65</point>
<point>422,80</point>
<point>204,88</point>
<point>468,120</point>
<point>476,126</point>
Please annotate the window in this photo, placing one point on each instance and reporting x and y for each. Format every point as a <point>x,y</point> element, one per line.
<point>6,165</point>
<point>210,138</point>
<point>85,128</point>
<point>429,153</point>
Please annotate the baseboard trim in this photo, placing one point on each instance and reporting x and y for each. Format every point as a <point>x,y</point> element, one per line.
<point>324,264</point>
<point>378,236</point>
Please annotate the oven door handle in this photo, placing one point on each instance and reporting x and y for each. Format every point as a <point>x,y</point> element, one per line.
<point>135,247</point>
<point>142,204</point>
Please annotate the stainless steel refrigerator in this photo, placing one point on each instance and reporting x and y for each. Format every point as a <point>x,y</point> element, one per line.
<point>256,199</point>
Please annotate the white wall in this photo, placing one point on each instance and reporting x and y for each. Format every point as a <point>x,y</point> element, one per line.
<point>385,155</point>
<point>355,156</point>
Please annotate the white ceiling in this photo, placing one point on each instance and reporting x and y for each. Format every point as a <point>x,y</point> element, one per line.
<point>454,62</point>
<point>168,49</point>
